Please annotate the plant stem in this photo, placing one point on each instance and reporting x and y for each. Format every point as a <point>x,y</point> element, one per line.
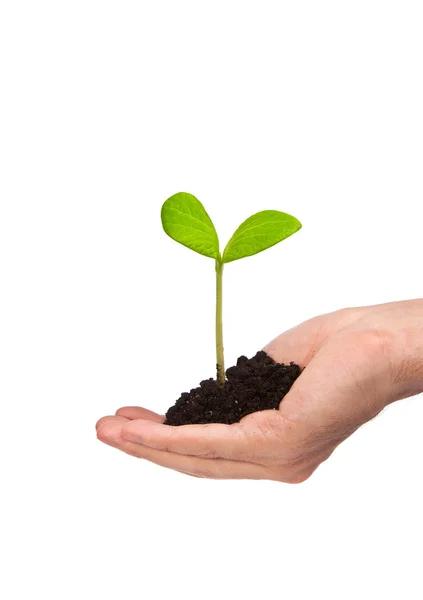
<point>220,361</point>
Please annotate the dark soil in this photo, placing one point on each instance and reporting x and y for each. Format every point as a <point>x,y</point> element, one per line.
<point>254,384</point>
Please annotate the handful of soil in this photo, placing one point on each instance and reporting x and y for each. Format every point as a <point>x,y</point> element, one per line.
<point>257,383</point>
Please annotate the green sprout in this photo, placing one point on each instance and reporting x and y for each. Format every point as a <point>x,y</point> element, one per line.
<point>186,221</point>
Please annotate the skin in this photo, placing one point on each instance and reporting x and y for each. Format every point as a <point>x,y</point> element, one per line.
<point>358,360</point>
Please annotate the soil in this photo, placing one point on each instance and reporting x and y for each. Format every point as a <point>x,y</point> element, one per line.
<point>257,383</point>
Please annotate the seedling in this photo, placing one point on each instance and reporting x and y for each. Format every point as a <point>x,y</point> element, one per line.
<point>185,220</point>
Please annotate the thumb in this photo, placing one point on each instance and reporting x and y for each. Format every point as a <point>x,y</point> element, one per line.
<point>334,395</point>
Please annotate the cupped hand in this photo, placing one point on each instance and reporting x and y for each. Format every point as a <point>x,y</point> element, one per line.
<point>356,361</point>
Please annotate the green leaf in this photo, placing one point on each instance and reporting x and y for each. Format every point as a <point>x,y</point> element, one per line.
<point>186,221</point>
<point>259,232</point>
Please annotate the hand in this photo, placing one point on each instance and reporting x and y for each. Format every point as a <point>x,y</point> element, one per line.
<point>357,362</point>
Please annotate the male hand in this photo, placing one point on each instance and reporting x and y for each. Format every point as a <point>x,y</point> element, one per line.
<point>357,361</point>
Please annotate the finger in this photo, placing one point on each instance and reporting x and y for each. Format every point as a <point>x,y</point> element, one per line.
<point>136,412</point>
<point>301,343</point>
<point>298,344</point>
<point>110,433</point>
<point>214,440</point>
<point>108,419</point>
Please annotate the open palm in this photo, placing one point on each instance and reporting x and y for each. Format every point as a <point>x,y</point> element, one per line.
<point>354,367</point>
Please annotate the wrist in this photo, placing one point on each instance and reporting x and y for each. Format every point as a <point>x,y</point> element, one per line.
<point>408,357</point>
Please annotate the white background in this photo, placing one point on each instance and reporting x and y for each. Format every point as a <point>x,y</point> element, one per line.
<point>108,108</point>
